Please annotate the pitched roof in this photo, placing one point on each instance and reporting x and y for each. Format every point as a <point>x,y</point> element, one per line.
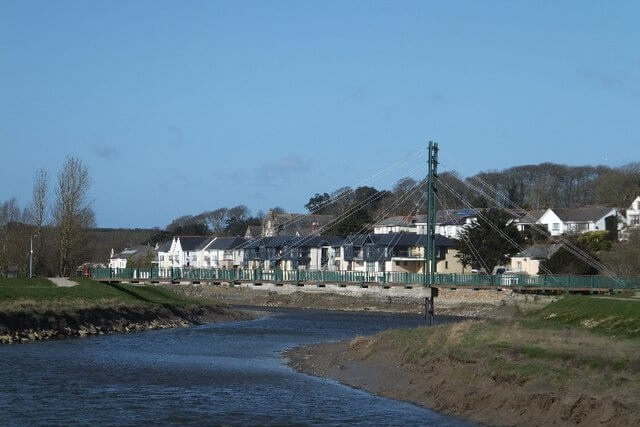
<point>532,216</point>
<point>194,243</point>
<point>540,251</point>
<point>398,239</point>
<point>253,231</point>
<point>165,246</point>
<point>226,243</point>
<point>585,214</point>
<point>133,252</point>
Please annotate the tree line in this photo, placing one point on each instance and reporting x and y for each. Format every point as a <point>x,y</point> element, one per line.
<point>61,219</point>
<point>56,222</point>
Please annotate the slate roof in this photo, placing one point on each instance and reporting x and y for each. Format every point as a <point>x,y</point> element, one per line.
<point>253,231</point>
<point>133,252</point>
<point>532,216</point>
<point>399,239</point>
<point>361,239</point>
<point>297,241</point>
<point>540,251</point>
<point>412,239</point>
<point>194,243</point>
<point>226,243</point>
<point>585,214</point>
<point>165,247</point>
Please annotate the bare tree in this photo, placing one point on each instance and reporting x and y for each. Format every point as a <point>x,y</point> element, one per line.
<point>37,213</point>
<point>72,212</point>
<point>9,213</point>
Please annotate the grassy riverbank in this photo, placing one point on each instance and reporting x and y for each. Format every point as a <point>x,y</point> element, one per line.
<point>576,361</point>
<point>36,309</point>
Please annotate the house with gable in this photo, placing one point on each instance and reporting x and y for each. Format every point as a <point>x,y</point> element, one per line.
<point>223,252</point>
<point>632,219</point>
<point>528,261</point>
<point>397,252</point>
<point>293,252</point>
<point>183,252</point>
<point>449,223</point>
<point>561,221</point>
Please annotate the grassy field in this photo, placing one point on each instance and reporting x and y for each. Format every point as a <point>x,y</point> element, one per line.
<point>587,342</point>
<point>17,292</point>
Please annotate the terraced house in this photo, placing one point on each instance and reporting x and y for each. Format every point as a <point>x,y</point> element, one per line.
<point>293,253</point>
<point>183,251</point>
<point>397,252</point>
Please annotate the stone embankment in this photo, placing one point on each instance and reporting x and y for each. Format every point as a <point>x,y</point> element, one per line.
<point>31,324</point>
<point>460,302</point>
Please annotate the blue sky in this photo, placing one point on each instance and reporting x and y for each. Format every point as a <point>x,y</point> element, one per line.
<point>183,106</point>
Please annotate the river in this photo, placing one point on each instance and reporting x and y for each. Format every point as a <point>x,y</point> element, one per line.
<point>218,374</point>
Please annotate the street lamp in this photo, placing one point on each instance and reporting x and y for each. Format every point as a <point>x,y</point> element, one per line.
<point>31,256</point>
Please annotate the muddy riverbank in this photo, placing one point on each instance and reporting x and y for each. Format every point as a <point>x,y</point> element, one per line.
<point>529,370</point>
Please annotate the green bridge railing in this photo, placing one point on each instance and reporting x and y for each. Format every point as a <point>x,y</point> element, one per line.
<point>391,278</point>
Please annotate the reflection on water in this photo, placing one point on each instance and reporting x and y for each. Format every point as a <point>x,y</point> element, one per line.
<point>228,373</point>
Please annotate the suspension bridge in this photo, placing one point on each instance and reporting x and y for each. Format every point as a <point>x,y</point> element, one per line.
<point>429,280</point>
<point>385,280</point>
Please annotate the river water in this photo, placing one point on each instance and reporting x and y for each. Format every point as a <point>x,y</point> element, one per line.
<point>218,374</point>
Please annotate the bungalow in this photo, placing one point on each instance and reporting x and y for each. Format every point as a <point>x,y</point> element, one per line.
<point>528,261</point>
<point>183,251</point>
<point>579,220</point>
<point>131,255</point>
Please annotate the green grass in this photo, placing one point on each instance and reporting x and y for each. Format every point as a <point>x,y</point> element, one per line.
<point>42,290</point>
<point>613,317</point>
<point>578,340</point>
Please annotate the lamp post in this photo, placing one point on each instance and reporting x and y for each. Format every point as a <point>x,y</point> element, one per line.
<point>31,256</point>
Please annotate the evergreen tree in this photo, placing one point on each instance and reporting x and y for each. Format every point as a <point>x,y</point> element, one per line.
<point>481,239</point>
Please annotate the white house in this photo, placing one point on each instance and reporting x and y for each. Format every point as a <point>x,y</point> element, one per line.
<point>137,253</point>
<point>449,223</point>
<point>633,214</point>
<point>223,252</point>
<point>579,220</point>
<point>183,251</point>
<point>397,224</point>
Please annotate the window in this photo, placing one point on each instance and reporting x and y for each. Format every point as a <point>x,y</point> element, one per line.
<point>519,266</point>
<point>635,220</point>
<point>446,265</point>
<point>555,226</point>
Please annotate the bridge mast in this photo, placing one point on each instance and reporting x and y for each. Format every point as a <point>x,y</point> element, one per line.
<point>430,244</point>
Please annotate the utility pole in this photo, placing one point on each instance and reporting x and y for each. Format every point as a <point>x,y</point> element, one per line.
<point>430,244</point>
<point>31,256</point>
